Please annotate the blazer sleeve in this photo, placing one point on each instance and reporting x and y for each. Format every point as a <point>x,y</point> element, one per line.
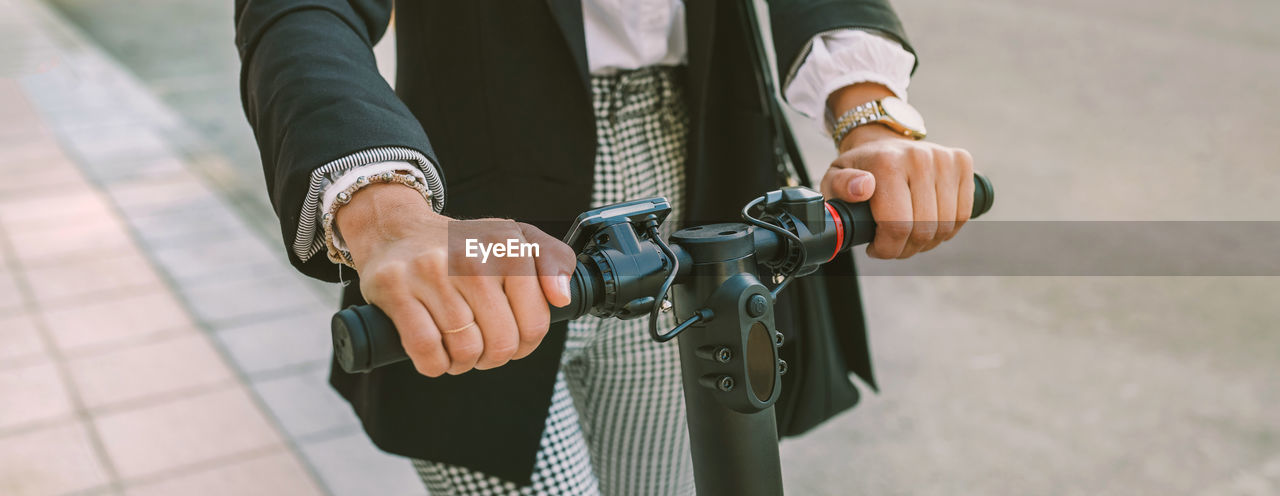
<point>311,90</point>
<point>796,22</point>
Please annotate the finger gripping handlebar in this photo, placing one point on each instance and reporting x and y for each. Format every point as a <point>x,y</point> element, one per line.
<point>364,338</point>
<point>859,226</point>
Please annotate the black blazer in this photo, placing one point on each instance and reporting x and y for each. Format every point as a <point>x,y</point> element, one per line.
<point>501,87</point>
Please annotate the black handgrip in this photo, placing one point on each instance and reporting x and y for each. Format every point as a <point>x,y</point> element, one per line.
<point>364,338</point>
<point>860,227</point>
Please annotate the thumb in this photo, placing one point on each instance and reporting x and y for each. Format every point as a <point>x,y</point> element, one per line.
<point>556,288</point>
<point>554,264</point>
<point>851,185</point>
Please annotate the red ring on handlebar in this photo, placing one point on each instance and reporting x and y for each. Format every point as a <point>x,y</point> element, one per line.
<point>839,230</point>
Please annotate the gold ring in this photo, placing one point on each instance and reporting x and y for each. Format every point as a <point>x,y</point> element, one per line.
<point>460,329</point>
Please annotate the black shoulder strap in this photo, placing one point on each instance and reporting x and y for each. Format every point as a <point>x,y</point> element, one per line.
<point>787,151</point>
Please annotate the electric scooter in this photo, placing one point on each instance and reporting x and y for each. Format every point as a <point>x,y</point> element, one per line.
<point>724,279</point>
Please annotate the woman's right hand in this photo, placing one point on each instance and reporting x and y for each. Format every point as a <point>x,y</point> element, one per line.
<point>454,313</point>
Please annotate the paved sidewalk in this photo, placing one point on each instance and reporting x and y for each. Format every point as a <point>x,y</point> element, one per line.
<point>990,385</point>
<point>151,341</point>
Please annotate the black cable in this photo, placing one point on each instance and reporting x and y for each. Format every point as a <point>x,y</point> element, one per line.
<point>666,286</point>
<point>790,236</point>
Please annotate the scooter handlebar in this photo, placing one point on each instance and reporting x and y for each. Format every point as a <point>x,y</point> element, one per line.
<point>364,338</point>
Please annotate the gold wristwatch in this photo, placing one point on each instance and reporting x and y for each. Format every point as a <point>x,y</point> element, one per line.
<point>889,111</point>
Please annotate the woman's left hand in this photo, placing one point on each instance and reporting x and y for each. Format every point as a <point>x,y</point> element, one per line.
<point>921,193</point>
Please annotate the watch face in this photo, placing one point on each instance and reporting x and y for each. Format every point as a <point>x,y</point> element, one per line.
<point>904,113</point>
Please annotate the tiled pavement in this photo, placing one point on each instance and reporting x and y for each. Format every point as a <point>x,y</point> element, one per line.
<point>991,385</point>
<point>151,341</point>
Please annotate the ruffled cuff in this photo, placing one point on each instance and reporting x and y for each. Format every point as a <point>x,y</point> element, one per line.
<point>843,57</point>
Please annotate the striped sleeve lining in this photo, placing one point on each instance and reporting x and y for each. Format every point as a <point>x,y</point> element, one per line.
<point>308,242</point>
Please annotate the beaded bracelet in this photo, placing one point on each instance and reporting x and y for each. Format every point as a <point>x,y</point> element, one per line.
<point>344,197</point>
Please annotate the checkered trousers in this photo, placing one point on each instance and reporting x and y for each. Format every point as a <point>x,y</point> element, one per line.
<point>616,425</point>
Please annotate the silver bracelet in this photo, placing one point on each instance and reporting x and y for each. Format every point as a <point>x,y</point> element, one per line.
<point>853,118</point>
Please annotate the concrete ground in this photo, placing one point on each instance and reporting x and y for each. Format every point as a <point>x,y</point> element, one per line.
<point>1085,110</point>
<point>153,342</point>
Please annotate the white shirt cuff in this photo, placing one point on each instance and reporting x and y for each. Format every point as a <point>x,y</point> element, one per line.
<point>843,57</point>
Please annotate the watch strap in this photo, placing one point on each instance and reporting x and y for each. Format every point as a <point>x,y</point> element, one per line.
<point>862,114</point>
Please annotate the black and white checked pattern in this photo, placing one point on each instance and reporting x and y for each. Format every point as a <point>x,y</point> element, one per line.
<point>641,137</point>
<point>617,421</point>
<point>563,464</point>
